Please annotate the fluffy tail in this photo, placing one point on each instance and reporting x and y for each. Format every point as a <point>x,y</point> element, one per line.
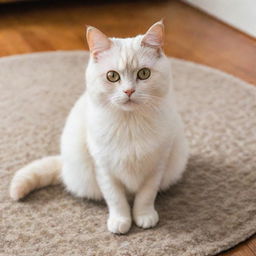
<point>38,174</point>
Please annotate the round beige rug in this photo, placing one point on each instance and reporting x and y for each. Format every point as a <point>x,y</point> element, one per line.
<point>212,209</point>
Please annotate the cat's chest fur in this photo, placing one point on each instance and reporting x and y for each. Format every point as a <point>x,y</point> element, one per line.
<point>130,142</point>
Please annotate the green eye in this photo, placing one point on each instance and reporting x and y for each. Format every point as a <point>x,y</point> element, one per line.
<point>113,76</point>
<point>143,73</point>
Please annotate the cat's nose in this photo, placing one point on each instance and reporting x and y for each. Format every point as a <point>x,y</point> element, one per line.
<point>129,92</point>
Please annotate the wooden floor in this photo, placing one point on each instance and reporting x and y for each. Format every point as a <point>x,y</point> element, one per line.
<point>191,35</point>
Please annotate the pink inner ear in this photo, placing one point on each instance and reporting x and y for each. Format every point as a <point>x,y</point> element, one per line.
<point>97,41</point>
<point>154,36</point>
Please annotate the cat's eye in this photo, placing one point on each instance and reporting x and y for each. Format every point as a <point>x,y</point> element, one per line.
<point>113,76</point>
<point>143,73</point>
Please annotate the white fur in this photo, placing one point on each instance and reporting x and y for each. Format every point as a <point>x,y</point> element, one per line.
<point>138,148</point>
<point>111,147</point>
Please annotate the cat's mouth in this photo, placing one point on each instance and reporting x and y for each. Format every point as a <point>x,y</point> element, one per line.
<point>129,102</point>
<point>129,105</point>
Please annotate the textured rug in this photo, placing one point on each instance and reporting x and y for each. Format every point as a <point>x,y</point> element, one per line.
<point>212,209</point>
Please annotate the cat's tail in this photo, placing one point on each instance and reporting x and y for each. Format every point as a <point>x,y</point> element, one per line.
<point>38,174</point>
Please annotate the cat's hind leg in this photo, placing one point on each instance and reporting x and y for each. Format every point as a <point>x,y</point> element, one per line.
<point>176,162</point>
<point>78,175</point>
<point>78,171</point>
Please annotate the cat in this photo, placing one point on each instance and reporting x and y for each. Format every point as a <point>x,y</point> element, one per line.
<point>123,136</point>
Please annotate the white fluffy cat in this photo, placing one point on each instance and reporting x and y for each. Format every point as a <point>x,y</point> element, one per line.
<point>123,136</point>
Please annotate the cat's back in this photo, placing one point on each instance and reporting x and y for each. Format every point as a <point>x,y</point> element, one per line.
<point>74,129</point>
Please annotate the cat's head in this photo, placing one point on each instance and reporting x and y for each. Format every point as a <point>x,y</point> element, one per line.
<point>128,73</point>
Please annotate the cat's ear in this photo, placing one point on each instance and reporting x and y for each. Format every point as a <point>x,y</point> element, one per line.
<point>155,36</point>
<point>97,41</point>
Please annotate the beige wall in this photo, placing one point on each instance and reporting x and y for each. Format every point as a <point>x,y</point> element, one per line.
<point>240,14</point>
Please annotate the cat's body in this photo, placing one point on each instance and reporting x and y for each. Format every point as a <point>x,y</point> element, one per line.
<point>138,144</point>
<point>122,136</point>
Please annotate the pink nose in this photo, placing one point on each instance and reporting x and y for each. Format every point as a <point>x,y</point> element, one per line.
<point>129,92</point>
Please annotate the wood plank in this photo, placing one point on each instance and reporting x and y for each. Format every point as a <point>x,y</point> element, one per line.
<point>252,244</point>
<point>239,251</point>
<point>242,249</point>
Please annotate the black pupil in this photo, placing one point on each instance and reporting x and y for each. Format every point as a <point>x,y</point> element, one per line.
<point>112,76</point>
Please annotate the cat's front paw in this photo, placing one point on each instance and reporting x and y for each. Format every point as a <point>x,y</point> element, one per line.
<point>146,220</point>
<point>119,225</point>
